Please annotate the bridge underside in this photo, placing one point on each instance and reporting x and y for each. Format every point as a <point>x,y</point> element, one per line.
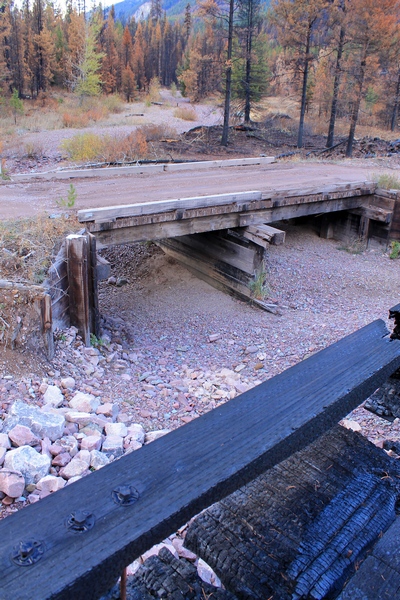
<point>223,238</point>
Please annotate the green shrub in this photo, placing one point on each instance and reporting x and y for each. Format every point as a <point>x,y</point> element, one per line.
<point>395,250</point>
<point>387,181</point>
<point>83,147</point>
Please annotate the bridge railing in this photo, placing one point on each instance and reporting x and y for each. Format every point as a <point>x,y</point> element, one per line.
<point>75,543</point>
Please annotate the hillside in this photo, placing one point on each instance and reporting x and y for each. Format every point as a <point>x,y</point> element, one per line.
<point>140,9</point>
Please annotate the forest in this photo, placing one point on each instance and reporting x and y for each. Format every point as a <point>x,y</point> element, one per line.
<point>336,58</point>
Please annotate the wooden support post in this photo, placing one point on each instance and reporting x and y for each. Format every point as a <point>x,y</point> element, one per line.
<point>326,231</point>
<point>78,256</point>
<point>364,227</point>
<point>92,288</point>
<point>47,325</point>
<point>394,233</point>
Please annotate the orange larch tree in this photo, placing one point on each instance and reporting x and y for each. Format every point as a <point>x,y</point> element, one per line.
<point>301,26</point>
<point>371,27</point>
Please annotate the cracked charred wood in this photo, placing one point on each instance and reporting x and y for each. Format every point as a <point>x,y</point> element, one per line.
<point>394,313</point>
<point>165,576</point>
<point>255,538</point>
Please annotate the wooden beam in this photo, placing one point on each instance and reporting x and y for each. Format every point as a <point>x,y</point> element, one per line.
<point>178,475</point>
<point>287,211</point>
<point>374,212</point>
<point>222,251</point>
<point>108,237</point>
<point>310,195</point>
<point>78,257</point>
<point>216,273</point>
<point>264,235</point>
<point>151,208</point>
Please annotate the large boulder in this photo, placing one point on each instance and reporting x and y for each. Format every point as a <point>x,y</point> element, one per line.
<point>43,424</point>
<point>27,461</point>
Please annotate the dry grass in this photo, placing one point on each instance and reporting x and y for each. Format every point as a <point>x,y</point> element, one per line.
<point>28,246</point>
<point>75,120</point>
<point>116,148</point>
<point>387,181</point>
<point>155,133</point>
<point>186,114</point>
<point>49,112</point>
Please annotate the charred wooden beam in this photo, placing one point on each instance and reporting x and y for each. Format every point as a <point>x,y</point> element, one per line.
<point>298,530</point>
<point>394,313</point>
<point>379,575</point>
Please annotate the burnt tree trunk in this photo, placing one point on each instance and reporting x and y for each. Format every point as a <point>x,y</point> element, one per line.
<point>228,80</point>
<point>336,84</point>
<point>304,89</point>
<point>249,44</point>
<point>356,107</point>
<point>395,112</point>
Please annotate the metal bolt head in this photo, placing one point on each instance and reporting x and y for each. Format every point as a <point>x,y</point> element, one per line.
<point>80,521</point>
<point>125,495</point>
<point>27,553</point>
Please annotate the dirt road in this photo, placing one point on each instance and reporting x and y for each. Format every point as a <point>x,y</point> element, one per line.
<point>24,199</point>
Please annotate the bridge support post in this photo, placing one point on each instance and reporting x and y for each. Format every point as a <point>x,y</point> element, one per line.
<point>82,284</point>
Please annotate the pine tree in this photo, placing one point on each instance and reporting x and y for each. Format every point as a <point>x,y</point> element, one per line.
<point>89,81</point>
<point>138,58</point>
<point>188,19</point>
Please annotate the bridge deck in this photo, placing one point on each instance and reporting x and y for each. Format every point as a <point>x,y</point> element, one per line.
<point>183,216</point>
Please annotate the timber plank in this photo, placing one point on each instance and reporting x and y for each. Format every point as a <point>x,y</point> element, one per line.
<point>374,212</point>
<point>215,273</point>
<point>185,471</point>
<point>107,237</point>
<point>78,255</point>
<point>149,208</point>
<point>291,211</point>
<point>264,235</point>
<point>223,250</point>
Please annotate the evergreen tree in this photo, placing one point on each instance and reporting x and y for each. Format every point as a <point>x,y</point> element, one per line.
<point>88,82</point>
<point>250,70</point>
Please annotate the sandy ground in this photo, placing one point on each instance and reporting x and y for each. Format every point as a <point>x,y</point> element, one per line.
<point>35,196</point>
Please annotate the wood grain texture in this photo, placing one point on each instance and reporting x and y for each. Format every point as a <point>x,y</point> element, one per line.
<point>187,470</point>
<point>78,260</point>
<point>264,235</point>
<point>149,208</point>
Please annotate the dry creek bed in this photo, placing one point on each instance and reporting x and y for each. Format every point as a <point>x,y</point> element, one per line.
<point>155,361</point>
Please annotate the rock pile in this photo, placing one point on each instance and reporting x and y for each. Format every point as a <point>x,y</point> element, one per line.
<point>73,433</point>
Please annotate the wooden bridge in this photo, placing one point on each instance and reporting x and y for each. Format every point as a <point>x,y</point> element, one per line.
<point>223,238</point>
<point>300,529</point>
<point>185,216</point>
